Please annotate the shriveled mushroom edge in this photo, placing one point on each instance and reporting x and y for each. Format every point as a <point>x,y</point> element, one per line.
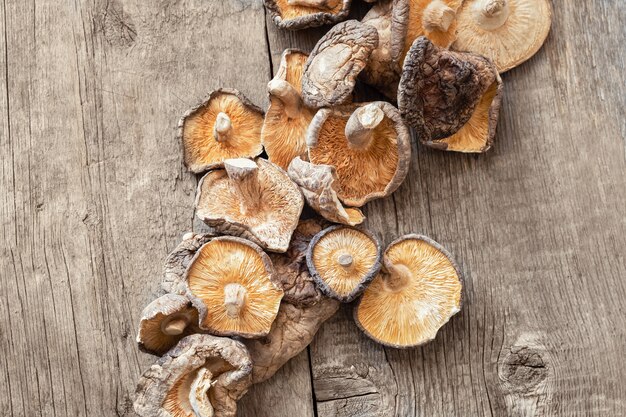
<point>460,275</point>
<point>197,169</point>
<point>322,285</point>
<point>308,21</point>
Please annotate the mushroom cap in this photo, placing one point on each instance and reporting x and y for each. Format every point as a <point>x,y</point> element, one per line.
<point>408,24</point>
<point>164,322</point>
<point>178,260</point>
<point>163,390</point>
<point>292,331</point>
<point>411,314</point>
<point>440,91</point>
<point>343,260</point>
<point>331,70</point>
<point>519,36</point>
<point>196,130</point>
<point>228,264</point>
<point>291,270</point>
<point>316,183</point>
<point>294,17</point>
<point>365,174</point>
<point>276,207</point>
<point>283,136</point>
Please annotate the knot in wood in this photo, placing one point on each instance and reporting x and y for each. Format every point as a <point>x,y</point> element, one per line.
<point>523,369</point>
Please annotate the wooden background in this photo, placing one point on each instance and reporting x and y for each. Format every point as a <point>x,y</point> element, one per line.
<point>93,195</point>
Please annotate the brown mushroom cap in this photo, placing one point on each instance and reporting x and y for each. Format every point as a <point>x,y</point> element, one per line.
<point>231,283</point>
<point>339,56</point>
<point>369,146</point>
<point>416,293</point>
<point>164,322</point>
<point>443,93</point>
<point>203,376</point>
<point>316,183</point>
<point>287,118</point>
<point>252,199</point>
<point>226,125</point>
<point>290,267</point>
<point>301,14</point>
<point>507,31</point>
<point>343,260</point>
<point>178,260</point>
<point>291,333</point>
<point>435,19</point>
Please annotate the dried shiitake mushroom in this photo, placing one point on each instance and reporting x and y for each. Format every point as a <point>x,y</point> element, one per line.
<point>164,322</point>
<point>331,70</point>
<point>232,284</point>
<point>416,293</point>
<point>287,118</point>
<point>301,14</point>
<point>226,125</point>
<point>177,262</point>
<point>369,146</point>
<point>507,31</point>
<point>382,71</point>
<point>343,260</point>
<point>291,270</point>
<point>316,183</point>
<point>291,333</point>
<point>252,199</point>
<point>435,19</point>
<point>203,376</point>
<point>451,99</point>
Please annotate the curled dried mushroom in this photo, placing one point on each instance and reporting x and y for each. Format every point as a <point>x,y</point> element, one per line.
<point>287,118</point>
<point>226,125</point>
<point>435,19</point>
<point>369,146</point>
<point>416,293</point>
<point>331,70</point>
<point>343,261</point>
<point>231,282</point>
<point>452,99</point>
<point>252,199</point>
<point>316,183</point>
<point>507,31</point>
<point>178,260</point>
<point>301,14</point>
<point>203,376</point>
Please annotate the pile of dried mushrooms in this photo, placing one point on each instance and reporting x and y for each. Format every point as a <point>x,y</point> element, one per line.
<point>237,303</point>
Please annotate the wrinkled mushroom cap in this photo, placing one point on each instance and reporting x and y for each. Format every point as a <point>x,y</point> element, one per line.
<point>164,389</point>
<point>231,283</point>
<point>287,118</point>
<point>337,59</point>
<point>435,19</point>
<point>230,112</point>
<point>251,199</point>
<point>416,293</point>
<point>178,260</point>
<point>164,322</point>
<point>507,31</point>
<point>443,93</point>
<point>308,13</point>
<point>343,261</point>
<point>316,183</point>
<point>372,171</point>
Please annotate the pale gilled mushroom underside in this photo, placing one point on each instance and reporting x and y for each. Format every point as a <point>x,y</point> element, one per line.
<point>178,260</point>
<point>301,14</point>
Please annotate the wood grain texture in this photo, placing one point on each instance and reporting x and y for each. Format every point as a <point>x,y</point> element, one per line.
<point>94,195</point>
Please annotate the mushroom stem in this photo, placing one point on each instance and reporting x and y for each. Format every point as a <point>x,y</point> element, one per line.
<point>175,326</point>
<point>234,299</point>
<point>288,95</point>
<point>199,394</point>
<point>345,260</point>
<point>491,14</point>
<point>437,16</point>
<point>244,175</point>
<point>222,128</point>
<point>397,277</point>
<point>318,4</point>
<point>361,125</point>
